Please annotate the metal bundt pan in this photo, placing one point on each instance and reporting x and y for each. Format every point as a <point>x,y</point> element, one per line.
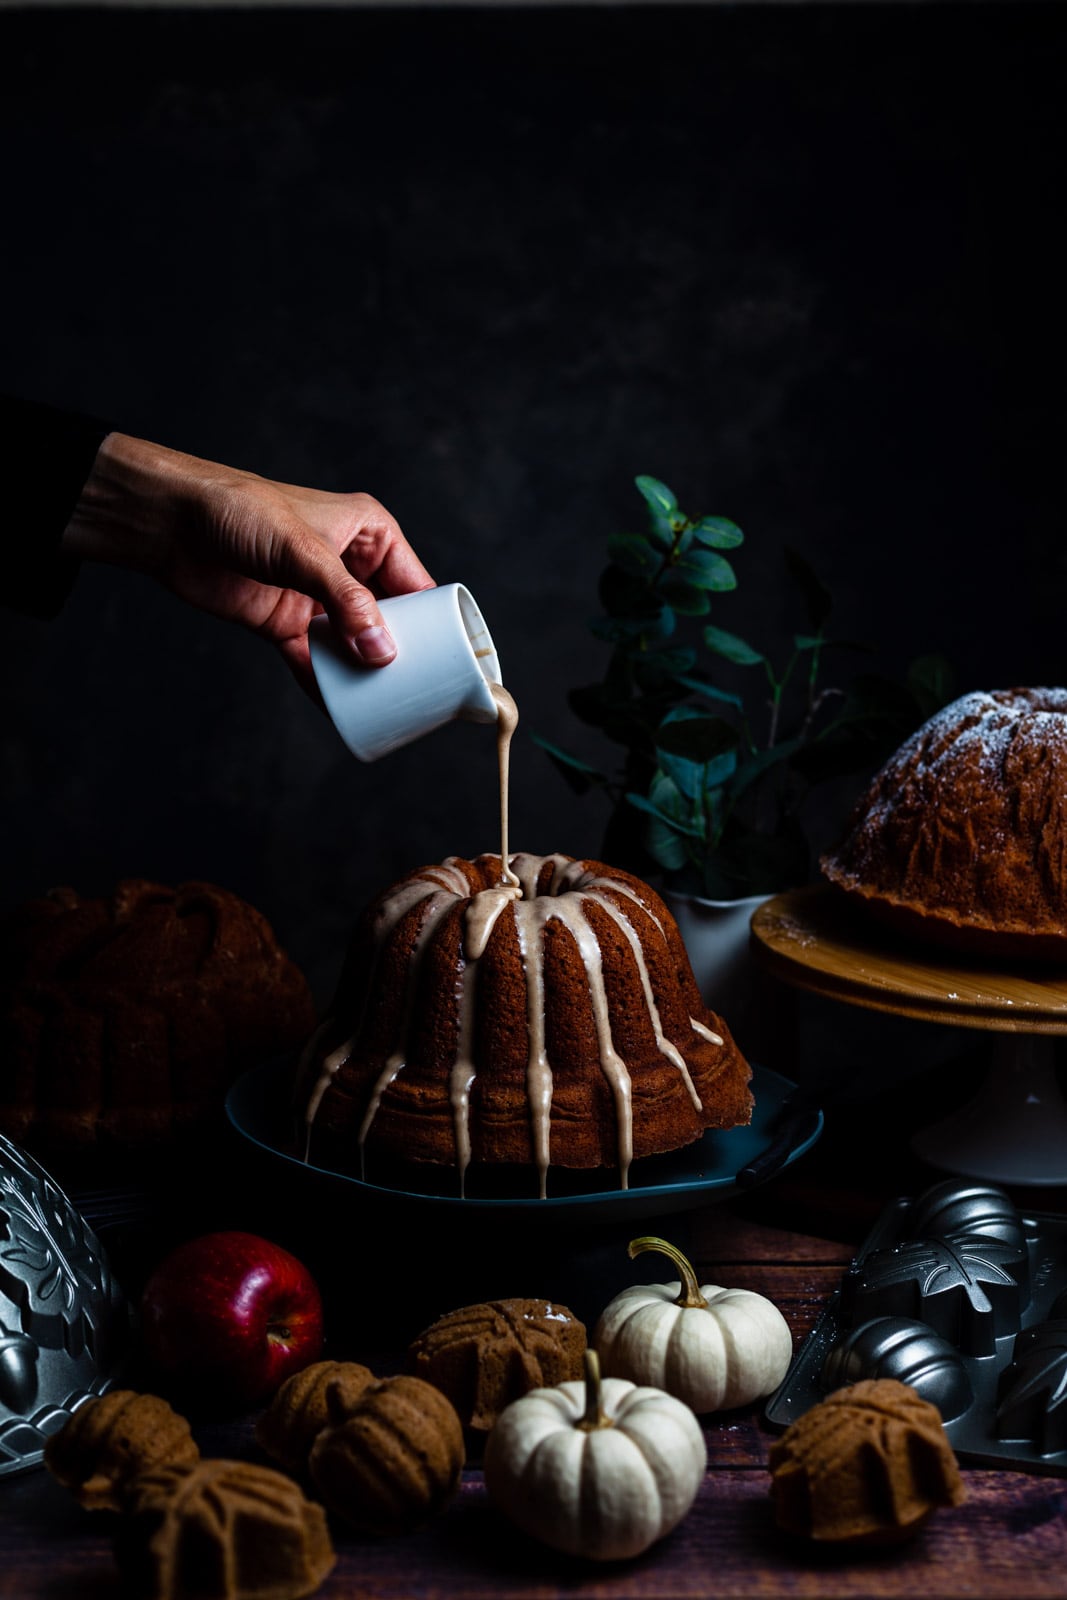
<point>64,1322</point>
<point>983,1332</point>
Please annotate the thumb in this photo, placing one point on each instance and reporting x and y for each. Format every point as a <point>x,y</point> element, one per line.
<point>351,608</point>
<point>357,621</point>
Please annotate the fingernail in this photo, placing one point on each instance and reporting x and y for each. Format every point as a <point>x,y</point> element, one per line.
<point>375,644</point>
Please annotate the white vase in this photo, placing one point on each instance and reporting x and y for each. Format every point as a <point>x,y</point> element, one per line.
<point>759,1011</point>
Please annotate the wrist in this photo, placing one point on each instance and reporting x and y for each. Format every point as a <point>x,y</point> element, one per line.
<point>128,505</point>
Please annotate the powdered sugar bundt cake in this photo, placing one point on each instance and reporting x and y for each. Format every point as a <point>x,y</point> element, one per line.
<point>961,838</point>
<point>125,1018</point>
<point>554,1020</point>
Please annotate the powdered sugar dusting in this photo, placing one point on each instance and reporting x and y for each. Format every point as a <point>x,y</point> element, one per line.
<point>967,822</point>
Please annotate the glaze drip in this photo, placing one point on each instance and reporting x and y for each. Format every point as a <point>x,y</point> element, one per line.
<point>566,890</point>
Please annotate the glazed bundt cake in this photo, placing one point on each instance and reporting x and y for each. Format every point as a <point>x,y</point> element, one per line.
<point>124,1019</point>
<point>961,838</point>
<point>553,1020</point>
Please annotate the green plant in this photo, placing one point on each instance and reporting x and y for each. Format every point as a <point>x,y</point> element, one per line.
<point>714,776</point>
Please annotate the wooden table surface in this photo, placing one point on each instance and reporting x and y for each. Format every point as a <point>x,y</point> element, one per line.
<point>789,1240</point>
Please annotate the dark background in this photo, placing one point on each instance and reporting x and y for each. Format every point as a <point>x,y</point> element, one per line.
<point>802,263</point>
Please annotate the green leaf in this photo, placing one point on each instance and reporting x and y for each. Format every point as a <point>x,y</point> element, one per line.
<point>564,756</point>
<point>692,680</point>
<point>707,570</point>
<point>699,779</point>
<point>719,533</point>
<point>688,776</point>
<point>680,825</point>
<point>633,553</point>
<point>808,641</point>
<point>687,599</point>
<point>662,626</point>
<point>617,630</point>
<point>664,793</point>
<point>731,647</point>
<point>665,845</point>
<point>658,497</point>
<point>691,733</point>
<point>666,841</point>
<point>660,532</point>
<point>816,596</point>
<point>754,766</point>
<point>659,669</point>
<point>683,538</point>
<point>757,863</point>
<point>672,661</point>
<point>579,775</point>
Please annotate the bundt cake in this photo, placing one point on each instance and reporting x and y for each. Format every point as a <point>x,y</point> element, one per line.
<point>298,1411</point>
<point>550,1020</point>
<point>124,1019</point>
<point>961,838</point>
<point>389,1459</point>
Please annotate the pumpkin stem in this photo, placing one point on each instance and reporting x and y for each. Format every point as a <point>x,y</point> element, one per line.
<point>594,1417</point>
<point>690,1295</point>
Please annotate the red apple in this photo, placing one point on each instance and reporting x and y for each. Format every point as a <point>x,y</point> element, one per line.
<point>227,1316</point>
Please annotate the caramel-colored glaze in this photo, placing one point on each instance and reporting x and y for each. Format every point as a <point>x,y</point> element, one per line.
<point>528,896</point>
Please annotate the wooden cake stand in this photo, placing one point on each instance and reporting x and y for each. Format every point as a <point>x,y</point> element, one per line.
<point>1015,1129</point>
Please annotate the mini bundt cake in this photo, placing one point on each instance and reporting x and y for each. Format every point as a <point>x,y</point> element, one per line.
<point>390,1460</point>
<point>554,1020</point>
<point>298,1413</point>
<point>222,1530</point>
<point>125,1019</point>
<point>485,1356</point>
<point>867,1465</point>
<point>961,838</point>
<point>114,1438</point>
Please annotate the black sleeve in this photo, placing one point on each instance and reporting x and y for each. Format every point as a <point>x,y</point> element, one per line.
<point>45,457</point>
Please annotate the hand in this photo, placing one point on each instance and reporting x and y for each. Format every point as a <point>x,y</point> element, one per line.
<point>267,555</point>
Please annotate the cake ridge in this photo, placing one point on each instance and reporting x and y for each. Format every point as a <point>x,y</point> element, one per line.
<point>961,837</point>
<point>453,917</point>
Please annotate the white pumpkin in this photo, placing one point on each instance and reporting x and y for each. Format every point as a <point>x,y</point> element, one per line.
<point>713,1348</point>
<point>600,1468</point>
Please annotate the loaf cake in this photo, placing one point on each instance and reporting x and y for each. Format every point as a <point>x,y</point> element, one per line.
<point>125,1018</point>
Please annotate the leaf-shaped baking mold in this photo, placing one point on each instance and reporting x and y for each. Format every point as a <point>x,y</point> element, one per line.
<point>966,1294</point>
<point>1032,1389</point>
